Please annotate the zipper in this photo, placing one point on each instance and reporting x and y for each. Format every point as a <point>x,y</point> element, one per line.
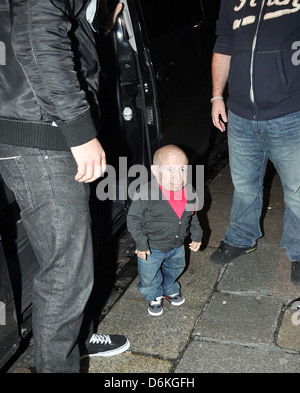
<point>252,98</point>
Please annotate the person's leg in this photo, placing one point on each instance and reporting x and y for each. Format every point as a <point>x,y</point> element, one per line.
<point>247,165</point>
<point>150,275</point>
<point>55,212</point>
<point>283,144</point>
<point>172,268</point>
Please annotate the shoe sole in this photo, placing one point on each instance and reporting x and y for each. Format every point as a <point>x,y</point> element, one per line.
<point>113,352</point>
<point>155,314</point>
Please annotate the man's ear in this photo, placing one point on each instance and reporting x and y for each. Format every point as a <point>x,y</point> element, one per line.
<point>155,170</point>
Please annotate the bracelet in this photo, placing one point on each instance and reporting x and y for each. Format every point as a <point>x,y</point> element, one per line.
<point>216,98</point>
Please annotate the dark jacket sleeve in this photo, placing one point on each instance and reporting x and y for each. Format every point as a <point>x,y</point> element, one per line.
<point>42,45</point>
<point>135,225</point>
<point>224,30</point>
<point>195,229</point>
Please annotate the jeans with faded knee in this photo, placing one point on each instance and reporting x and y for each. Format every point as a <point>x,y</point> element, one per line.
<point>55,213</point>
<point>251,144</point>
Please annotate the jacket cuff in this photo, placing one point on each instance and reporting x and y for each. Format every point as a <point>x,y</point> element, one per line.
<point>223,48</point>
<point>79,131</point>
<point>196,238</point>
<point>142,245</point>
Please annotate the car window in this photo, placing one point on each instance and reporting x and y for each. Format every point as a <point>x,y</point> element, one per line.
<point>163,17</point>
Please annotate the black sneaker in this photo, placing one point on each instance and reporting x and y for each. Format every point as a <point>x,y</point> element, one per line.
<point>106,345</point>
<point>226,253</point>
<point>295,274</point>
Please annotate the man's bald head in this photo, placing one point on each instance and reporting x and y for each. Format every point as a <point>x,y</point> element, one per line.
<point>170,153</point>
<point>170,167</point>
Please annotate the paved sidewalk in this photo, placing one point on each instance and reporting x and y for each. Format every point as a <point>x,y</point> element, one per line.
<point>236,318</point>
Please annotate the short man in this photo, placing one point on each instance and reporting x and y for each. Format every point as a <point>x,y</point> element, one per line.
<point>159,221</point>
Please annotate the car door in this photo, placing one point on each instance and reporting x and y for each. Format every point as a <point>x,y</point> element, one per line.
<point>179,36</point>
<point>9,330</point>
<point>132,86</point>
<point>130,130</point>
<point>18,265</point>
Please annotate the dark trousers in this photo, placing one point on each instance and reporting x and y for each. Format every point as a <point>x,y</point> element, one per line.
<point>55,213</point>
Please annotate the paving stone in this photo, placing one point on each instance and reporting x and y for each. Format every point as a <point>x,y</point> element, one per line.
<point>289,332</point>
<point>163,336</point>
<point>211,357</point>
<point>166,335</point>
<point>215,217</point>
<point>242,319</point>
<point>265,271</point>
<point>125,363</point>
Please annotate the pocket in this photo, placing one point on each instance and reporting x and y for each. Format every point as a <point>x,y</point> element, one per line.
<point>270,87</point>
<point>14,176</point>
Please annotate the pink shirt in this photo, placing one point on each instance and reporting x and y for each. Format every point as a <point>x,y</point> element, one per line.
<point>177,200</point>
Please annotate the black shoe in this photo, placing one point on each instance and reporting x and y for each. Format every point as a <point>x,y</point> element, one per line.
<point>106,345</point>
<point>226,253</point>
<point>295,274</point>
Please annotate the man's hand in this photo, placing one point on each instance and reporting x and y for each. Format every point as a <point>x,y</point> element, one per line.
<point>109,19</point>
<point>194,246</point>
<point>142,254</point>
<point>90,159</point>
<point>218,114</point>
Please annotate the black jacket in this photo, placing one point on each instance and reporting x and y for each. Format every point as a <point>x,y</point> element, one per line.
<point>49,82</point>
<point>153,223</point>
<point>264,78</point>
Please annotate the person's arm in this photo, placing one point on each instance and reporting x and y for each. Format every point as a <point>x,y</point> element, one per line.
<point>220,70</point>
<point>108,19</point>
<point>43,49</point>
<point>195,229</point>
<point>221,63</point>
<point>135,225</point>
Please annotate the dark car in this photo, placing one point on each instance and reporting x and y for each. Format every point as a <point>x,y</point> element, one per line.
<point>154,86</point>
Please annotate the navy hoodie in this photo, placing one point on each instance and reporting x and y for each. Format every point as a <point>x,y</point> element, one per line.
<point>263,39</point>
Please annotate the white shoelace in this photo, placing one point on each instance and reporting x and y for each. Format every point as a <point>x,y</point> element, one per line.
<point>100,339</point>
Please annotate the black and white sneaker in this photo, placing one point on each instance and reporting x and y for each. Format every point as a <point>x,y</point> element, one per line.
<point>106,345</point>
<point>155,307</point>
<point>176,300</point>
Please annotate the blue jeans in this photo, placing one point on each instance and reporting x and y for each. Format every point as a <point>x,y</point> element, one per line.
<point>251,144</point>
<point>159,273</point>
<point>55,213</point>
